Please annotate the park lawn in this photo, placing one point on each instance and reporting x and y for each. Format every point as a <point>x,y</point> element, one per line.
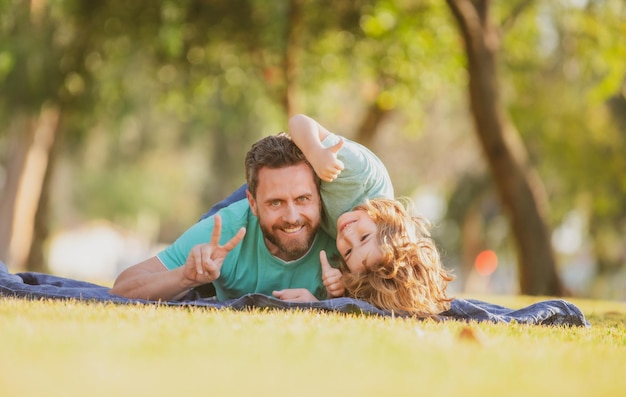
<point>56,348</point>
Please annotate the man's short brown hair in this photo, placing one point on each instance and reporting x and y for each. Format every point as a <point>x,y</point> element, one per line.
<point>274,151</point>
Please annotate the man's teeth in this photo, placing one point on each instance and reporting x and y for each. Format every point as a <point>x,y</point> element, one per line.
<point>292,229</point>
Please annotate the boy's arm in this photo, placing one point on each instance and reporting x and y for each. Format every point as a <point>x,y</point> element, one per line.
<point>308,135</point>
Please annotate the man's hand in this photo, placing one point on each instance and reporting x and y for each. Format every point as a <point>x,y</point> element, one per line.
<point>204,261</point>
<point>331,278</point>
<point>295,295</point>
<point>326,164</point>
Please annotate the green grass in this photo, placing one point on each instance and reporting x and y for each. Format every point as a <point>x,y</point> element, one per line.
<point>52,348</point>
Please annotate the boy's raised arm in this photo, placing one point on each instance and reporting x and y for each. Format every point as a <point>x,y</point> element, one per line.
<point>308,135</point>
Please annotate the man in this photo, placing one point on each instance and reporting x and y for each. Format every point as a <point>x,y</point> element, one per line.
<point>268,243</point>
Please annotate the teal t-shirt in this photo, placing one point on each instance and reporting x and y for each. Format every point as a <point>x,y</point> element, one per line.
<point>364,177</point>
<point>249,267</point>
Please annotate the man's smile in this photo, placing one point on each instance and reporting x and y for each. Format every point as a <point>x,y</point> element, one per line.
<point>292,229</point>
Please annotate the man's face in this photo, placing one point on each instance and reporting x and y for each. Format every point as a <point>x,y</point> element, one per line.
<point>288,206</point>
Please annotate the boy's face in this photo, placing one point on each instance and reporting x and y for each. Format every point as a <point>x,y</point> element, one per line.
<point>357,241</point>
<point>289,209</point>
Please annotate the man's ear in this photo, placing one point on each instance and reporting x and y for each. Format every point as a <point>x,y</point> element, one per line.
<point>252,203</point>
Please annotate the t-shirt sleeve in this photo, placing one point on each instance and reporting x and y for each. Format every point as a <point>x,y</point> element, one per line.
<point>233,218</point>
<point>175,255</point>
<point>364,177</point>
<point>362,166</point>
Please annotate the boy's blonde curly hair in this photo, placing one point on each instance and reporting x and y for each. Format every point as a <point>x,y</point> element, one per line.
<point>410,280</point>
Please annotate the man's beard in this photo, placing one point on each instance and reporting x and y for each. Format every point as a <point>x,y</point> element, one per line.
<point>292,248</point>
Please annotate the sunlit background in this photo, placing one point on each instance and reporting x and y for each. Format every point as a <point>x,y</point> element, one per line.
<point>123,123</point>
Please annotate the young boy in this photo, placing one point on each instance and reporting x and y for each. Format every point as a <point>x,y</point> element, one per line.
<point>388,258</point>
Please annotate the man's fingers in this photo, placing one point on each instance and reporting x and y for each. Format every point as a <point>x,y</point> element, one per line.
<point>196,259</point>
<point>213,269</point>
<point>217,233</point>
<point>232,243</point>
<point>217,230</point>
<point>295,295</point>
<point>286,294</point>
<point>206,262</point>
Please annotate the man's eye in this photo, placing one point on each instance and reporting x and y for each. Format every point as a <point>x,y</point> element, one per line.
<point>303,198</point>
<point>275,203</point>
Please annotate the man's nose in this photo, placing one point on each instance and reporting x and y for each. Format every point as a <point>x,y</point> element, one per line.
<point>291,214</point>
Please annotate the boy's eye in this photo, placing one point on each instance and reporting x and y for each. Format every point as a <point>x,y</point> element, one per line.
<point>348,252</point>
<point>365,236</point>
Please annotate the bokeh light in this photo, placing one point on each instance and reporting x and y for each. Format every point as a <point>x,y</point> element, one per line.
<point>486,262</point>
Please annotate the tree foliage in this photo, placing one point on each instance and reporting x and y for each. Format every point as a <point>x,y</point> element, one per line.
<point>160,100</point>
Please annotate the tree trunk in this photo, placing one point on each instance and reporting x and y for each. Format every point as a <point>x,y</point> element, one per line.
<point>294,33</point>
<point>518,186</point>
<point>372,119</point>
<point>472,240</point>
<point>36,260</point>
<point>32,140</point>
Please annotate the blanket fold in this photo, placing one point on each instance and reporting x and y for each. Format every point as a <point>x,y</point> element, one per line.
<point>33,285</point>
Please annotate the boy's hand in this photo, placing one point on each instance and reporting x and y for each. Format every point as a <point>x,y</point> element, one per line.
<point>331,278</point>
<point>326,164</point>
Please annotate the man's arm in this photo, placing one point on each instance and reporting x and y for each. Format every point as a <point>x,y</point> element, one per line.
<point>152,281</point>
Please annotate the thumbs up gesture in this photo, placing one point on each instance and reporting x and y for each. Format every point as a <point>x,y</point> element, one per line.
<point>331,278</point>
<point>326,164</point>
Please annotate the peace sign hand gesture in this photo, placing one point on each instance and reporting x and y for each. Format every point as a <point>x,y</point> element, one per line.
<point>204,261</point>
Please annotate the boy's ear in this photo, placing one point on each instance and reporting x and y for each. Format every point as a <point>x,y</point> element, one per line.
<point>252,203</point>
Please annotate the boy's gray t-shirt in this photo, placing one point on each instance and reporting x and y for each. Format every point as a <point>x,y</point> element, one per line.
<point>364,177</point>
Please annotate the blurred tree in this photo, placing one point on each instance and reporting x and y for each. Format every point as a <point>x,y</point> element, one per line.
<point>39,89</point>
<point>158,101</point>
<point>565,67</point>
<point>520,188</point>
<point>385,57</point>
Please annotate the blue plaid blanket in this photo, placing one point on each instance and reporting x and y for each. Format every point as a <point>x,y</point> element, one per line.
<point>32,285</point>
